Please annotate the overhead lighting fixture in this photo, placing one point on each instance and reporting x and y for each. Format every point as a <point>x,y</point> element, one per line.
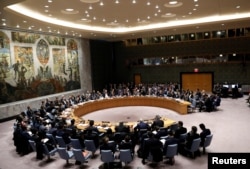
<point>134,1</point>
<point>89,1</point>
<point>117,2</point>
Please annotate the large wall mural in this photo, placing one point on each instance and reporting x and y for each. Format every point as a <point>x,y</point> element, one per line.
<point>34,65</point>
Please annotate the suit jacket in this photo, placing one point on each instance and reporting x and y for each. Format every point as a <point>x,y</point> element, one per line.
<point>155,147</point>
<point>159,123</point>
<point>190,138</point>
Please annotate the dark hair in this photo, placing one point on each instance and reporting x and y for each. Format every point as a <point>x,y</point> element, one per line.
<point>91,122</point>
<point>202,126</point>
<point>180,123</point>
<point>194,129</point>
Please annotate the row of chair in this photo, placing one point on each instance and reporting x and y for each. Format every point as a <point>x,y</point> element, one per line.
<point>63,152</point>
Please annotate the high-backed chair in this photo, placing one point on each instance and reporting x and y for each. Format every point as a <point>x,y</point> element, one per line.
<point>75,143</point>
<point>64,154</point>
<point>78,154</point>
<point>107,157</point>
<point>183,137</point>
<point>125,156</point>
<point>52,138</point>
<point>207,142</point>
<point>194,147</point>
<point>61,142</point>
<point>171,152</point>
<point>90,146</point>
<point>32,145</point>
<point>48,152</point>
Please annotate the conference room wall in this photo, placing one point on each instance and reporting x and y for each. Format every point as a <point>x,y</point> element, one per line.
<point>10,110</point>
<point>234,72</point>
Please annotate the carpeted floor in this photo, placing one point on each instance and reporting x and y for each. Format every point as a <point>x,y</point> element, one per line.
<point>229,125</point>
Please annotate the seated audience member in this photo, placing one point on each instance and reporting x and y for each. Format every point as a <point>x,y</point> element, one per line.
<point>204,133</point>
<point>109,133</point>
<point>92,135</point>
<point>191,136</point>
<point>92,127</point>
<point>62,133</point>
<point>180,130</point>
<point>160,132</point>
<point>141,125</point>
<point>169,141</point>
<point>106,146</point>
<point>189,140</point>
<point>122,128</point>
<point>157,122</point>
<point>127,144</point>
<point>154,147</point>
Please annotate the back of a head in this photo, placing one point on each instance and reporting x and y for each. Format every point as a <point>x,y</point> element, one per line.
<point>194,129</point>
<point>91,122</point>
<point>202,126</point>
<point>180,123</point>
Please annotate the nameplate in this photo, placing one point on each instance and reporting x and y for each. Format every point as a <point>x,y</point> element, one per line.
<point>228,160</point>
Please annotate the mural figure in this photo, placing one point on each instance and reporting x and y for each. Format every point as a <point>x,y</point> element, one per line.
<point>42,52</point>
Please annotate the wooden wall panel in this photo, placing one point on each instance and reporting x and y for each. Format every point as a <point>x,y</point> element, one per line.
<point>194,81</point>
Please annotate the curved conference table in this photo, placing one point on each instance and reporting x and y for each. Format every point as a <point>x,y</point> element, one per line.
<point>84,108</point>
<point>177,105</point>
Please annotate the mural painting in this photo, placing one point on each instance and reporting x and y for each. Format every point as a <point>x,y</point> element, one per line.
<point>37,69</point>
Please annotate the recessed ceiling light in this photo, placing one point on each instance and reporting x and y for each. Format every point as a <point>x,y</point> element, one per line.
<point>89,1</point>
<point>237,7</point>
<point>168,15</point>
<point>69,11</point>
<point>173,4</point>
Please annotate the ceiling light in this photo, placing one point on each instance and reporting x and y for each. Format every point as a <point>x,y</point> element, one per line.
<point>50,1</point>
<point>89,1</point>
<point>101,3</point>
<point>237,7</point>
<point>90,7</point>
<point>173,2</point>
<point>148,3</point>
<point>117,2</point>
<point>156,6</point>
<point>4,24</point>
<point>17,26</point>
<point>134,1</point>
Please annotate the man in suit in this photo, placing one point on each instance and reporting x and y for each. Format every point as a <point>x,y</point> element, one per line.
<point>180,130</point>
<point>157,122</point>
<point>154,147</point>
<point>203,133</point>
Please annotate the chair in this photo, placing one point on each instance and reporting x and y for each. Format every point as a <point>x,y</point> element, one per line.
<point>32,145</point>
<point>107,157</point>
<point>75,143</point>
<point>207,142</point>
<point>171,152</point>
<point>194,147</point>
<point>47,152</point>
<point>126,156</point>
<point>183,137</point>
<point>113,144</point>
<point>52,138</point>
<point>64,154</point>
<point>61,142</point>
<point>90,146</point>
<point>78,154</point>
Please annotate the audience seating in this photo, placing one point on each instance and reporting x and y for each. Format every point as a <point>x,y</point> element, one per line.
<point>194,147</point>
<point>64,154</point>
<point>32,145</point>
<point>52,138</point>
<point>75,143</point>
<point>61,142</point>
<point>47,152</point>
<point>172,151</point>
<point>207,142</point>
<point>107,157</point>
<point>125,156</point>
<point>90,146</point>
<point>78,154</point>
